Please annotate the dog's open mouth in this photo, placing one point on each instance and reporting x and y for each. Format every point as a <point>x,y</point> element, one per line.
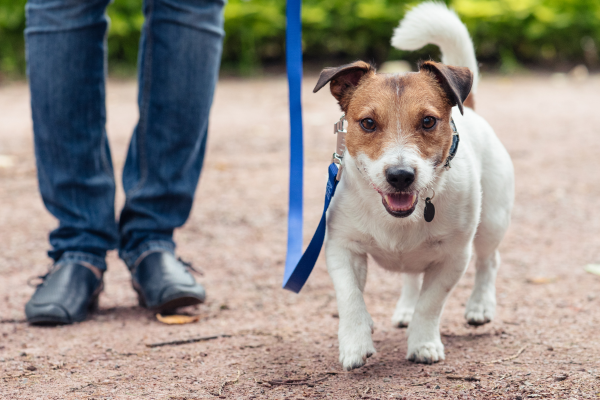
<point>400,204</point>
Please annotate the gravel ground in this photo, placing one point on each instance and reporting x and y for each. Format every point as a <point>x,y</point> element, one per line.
<point>273,344</point>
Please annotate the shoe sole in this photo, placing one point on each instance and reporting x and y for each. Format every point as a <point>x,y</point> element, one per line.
<point>177,303</point>
<point>53,321</point>
<point>170,304</point>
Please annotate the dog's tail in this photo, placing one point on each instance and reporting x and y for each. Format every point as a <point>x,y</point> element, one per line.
<point>432,22</point>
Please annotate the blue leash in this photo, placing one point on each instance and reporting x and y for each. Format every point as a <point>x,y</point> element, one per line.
<point>298,266</point>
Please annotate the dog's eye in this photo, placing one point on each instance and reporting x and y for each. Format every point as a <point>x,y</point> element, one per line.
<point>368,124</point>
<point>429,122</point>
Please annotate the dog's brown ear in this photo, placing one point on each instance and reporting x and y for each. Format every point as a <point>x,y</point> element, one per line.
<point>455,81</point>
<point>343,79</point>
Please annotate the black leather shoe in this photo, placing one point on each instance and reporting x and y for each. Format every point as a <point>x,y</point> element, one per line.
<point>164,283</point>
<point>65,296</point>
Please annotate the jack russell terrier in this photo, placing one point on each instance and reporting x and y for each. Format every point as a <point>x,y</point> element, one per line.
<point>412,197</point>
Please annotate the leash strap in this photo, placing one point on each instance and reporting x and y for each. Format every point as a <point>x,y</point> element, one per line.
<point>294,71</point>
<point>298,266</point>
<point>296,274</point>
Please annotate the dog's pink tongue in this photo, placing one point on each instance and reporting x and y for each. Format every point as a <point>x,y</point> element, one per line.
<point>400,201</point>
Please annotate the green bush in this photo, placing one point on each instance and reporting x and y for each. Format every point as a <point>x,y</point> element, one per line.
<point>548,33</point>
<point>12,48</point>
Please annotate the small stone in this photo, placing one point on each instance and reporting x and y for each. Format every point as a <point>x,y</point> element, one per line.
<point>23,354</point>
<point>560,377</point>
<point>437,386</point>
<point>31,368</point>
<point>386,379</point>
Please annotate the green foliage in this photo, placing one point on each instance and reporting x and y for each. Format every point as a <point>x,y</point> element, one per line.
<point>506,33</point>
<point>543,32</point>
<point>126,21</point>
<point>338,30</point>
<point>12,47</point>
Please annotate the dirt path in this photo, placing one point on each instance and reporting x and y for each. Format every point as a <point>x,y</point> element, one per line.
<point>236,235</point>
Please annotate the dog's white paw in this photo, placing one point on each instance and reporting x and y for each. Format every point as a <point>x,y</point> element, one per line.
<point>402,317</point>
<point>355,355</point>
<point>356,345</point>
<point>427,352</point>
<point>480,311</point>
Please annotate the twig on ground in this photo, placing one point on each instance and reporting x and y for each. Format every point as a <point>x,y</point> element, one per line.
<point>230,381</point>
<point>187,341</point>
<point>262,383</point>
<point>422,383</point>
<point>521,350</point>
<point>291,382</point>
<point>24,375</point>
<point>13,321</point>
<point>463,378</point>
<point>367,390</point>
<point>76,389</point>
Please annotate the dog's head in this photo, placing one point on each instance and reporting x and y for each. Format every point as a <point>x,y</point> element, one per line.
<point>399,129</point>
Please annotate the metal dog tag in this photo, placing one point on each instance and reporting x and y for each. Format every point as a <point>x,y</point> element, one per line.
<point>429,210</point>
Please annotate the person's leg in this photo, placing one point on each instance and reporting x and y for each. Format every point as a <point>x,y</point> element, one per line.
<point>179,60</point>
<point>66,68</point>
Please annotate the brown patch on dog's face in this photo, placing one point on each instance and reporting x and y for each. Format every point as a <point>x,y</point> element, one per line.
<point>398,106</point>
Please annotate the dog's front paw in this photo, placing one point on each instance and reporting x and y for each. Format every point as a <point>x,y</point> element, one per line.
<point>355,356</point>
<point>356,345</point>
<point>402,317</point>
<point>480,311</point>
<point>427,353</point>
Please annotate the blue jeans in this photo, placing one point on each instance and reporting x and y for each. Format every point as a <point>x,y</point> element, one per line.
<point>178,63</point>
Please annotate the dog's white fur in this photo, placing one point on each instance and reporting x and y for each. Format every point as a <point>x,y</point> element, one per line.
<point>473,202</point>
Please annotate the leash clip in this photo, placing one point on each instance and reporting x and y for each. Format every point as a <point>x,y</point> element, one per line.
<point>339,129</point>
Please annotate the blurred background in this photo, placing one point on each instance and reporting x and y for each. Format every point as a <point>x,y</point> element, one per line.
<point>509,35</point>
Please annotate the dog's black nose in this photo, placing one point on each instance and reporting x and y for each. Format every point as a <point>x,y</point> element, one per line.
<point>400,178</point>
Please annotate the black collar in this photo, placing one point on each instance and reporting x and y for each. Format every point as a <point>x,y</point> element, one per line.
<point>454,147</point>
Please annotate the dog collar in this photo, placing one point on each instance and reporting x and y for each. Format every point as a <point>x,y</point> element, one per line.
<point>454,147</point>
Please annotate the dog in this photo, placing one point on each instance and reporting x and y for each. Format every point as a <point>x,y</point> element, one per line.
<point>397,167</point>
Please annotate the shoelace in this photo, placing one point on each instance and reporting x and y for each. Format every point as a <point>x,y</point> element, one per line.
<point>190,267</point>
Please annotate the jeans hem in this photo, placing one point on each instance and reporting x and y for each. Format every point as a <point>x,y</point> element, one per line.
<point>132,258</point>
<point>79,256</point>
